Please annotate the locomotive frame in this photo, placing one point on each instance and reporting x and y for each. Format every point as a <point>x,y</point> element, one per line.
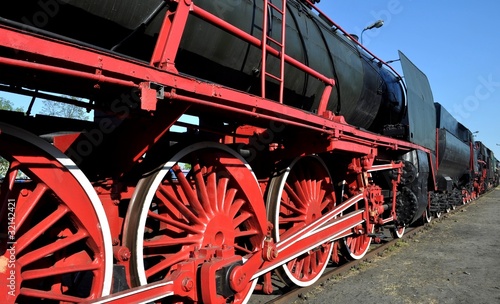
<point>108,206</point>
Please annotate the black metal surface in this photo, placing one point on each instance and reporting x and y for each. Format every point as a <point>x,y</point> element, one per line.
<point>419,185</point>
<point>453,158</point>
<point>421,111</point>
<point>366,93</point>
<point>485,160</point>
<point>444,120</point>
<point>454,150</point>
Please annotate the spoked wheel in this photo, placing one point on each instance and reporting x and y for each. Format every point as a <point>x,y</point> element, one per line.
<point>398,232</point>
<point>357,245</point>
<point>300,194</point>
<point>56,243</point>
<point>175,216</point>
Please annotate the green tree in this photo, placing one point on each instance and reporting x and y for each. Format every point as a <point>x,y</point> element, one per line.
<point>8,105</point>
<point>66,110</point>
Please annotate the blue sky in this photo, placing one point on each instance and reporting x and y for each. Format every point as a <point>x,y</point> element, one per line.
<point>455,43</point>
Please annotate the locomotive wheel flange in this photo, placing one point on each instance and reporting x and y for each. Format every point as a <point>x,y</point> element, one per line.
<point>173,214</point>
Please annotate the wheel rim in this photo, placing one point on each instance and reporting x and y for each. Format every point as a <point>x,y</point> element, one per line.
<point>357,245</point>
<point>297,197</point>
<point>398,232</point>
<point>62,238</point>
<point>427,216</point>
<point>180,213</point>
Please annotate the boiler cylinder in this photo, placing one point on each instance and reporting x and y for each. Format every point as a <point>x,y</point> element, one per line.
<point>366,93</point>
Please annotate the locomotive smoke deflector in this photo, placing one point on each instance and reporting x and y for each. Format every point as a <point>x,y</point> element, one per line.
<point>421,112</point>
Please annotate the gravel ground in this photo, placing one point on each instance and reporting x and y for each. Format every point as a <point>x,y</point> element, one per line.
<point>455,260</point>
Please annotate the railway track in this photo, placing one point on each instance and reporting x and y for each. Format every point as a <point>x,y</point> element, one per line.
<point>285,295</point>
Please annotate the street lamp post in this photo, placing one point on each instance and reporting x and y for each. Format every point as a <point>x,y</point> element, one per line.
<point>376,24</point>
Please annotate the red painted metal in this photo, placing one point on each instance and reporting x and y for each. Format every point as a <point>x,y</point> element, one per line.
<point>238,281</point>
<point>212,219</point>
<point>148,96</point>
<point>323,103</point>
<point>198,219</point>
<point>359,241</point>
<point>279,43</point>
<point>329,227</point>
<point>170,36</point>
<point>395,183</point>
<point>141,294</point>
<point>54,227</point>
<point>300,195</point>
<point>98,77</point>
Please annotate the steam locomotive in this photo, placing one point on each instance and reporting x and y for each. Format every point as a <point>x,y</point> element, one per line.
<point>305,146</point>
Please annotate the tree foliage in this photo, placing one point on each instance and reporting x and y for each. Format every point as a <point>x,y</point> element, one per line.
<point>60,109</point>
<point>8,105</point>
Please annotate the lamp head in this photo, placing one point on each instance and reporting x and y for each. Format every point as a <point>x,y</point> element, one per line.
<point>376,24</point>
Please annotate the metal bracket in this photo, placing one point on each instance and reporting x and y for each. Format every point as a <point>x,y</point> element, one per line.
<point>150,93</point>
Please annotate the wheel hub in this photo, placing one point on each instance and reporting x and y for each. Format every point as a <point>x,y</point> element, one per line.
<point>219,232</point>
